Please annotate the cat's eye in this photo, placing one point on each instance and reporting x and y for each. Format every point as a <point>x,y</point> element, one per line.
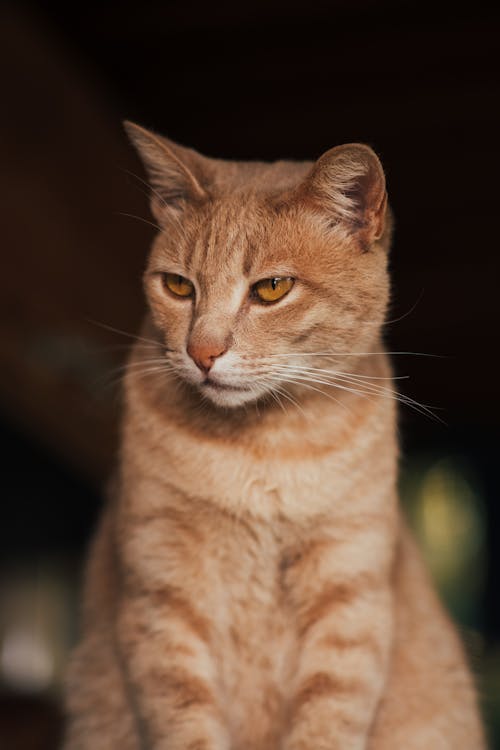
<point>271,290</point>
<point>178,285</point>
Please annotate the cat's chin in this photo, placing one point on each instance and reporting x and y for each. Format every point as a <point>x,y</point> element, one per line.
<point>229,396</point>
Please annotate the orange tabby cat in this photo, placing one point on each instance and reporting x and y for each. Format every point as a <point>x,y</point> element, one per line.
<point>252,585</point>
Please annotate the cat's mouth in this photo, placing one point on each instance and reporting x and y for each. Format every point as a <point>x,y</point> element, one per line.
<point>217,386</point>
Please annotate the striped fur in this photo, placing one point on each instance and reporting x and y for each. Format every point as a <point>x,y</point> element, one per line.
<point>252,585</point>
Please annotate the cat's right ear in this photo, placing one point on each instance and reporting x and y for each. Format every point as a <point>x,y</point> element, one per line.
<point>175,174</point>
<point>346,190</point>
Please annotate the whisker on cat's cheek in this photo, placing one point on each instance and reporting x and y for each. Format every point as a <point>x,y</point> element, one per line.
<point>133,336</point>
<point>352,384</point>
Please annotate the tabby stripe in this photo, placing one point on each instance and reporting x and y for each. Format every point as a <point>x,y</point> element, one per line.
<point>337,642</point>
<point>344,535</point>
<point>165,598</point>
<point>323,685</point>
<point>171,518</point>
<point>336,594</point>
<point>302,337</point>
<point>184,690</point>
<point>198,745</point>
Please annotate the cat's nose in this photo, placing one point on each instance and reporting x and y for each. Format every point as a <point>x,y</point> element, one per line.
<point>204,355</point>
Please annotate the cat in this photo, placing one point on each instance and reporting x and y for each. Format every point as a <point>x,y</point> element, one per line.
<point>252,585</point>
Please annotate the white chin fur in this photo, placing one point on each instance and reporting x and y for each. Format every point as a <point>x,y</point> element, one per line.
<point>231,398</point>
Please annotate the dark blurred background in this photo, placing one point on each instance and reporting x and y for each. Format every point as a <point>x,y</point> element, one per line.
<point>417,81</point>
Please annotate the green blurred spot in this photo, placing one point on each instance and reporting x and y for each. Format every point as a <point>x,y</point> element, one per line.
<point>446,512</point>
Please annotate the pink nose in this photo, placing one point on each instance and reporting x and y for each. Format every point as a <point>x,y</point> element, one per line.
<point>204,355</point>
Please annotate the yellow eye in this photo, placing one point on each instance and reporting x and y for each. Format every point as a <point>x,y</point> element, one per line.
<point>178,285</point>
<point>271,290</point>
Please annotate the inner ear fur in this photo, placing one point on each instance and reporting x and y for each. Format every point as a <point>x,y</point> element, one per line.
<point>347,186</point>
<point>177,175</point>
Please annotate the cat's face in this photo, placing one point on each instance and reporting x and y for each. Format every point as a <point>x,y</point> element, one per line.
<point>257,285</point>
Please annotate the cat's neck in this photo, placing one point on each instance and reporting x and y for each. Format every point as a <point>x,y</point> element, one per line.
<point>253,458</point>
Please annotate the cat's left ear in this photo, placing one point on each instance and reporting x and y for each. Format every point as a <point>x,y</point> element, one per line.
<point>346,187</point>
<point>176,174</point>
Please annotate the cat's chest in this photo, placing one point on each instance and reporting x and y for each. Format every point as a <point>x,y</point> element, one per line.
<point>257,614</point>
<point>256,634</point>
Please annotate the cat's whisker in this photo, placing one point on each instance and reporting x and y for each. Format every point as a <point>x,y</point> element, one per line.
<point>357,354</point>
<point>368,388</point>
<point>128,373</point>
<point>287,396</point>
<point>290,398</point>
<point>170,215</point>
<point>149,188</point>
<point>142,362</point>
<point>139,362</point>
<point>133,336</point>
<point>333,377</point>
<point>365,390</point>
<point>364,380</point>
<point>274,395</point>
<point>177,221</point>
<point>339,372</point>
<point>395,396</point>
<point>320,381</point>
<point>139,218</point>
<point>147,371</point>
<point>325,376</point>
<point>390,392</point>
<point>307,384</point>
<point>407,313</point>
<point>128,366</point>
<point>117,347</point>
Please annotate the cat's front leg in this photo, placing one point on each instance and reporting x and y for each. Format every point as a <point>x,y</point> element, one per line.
<point>163,642</point>
<point>344,623</point>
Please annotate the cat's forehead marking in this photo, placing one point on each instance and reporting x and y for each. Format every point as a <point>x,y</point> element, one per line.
<point>221,247</point>
<point>233,242</point>
<point>249,257</point>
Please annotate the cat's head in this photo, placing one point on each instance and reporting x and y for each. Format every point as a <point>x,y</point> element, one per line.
<point>264,275</point>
